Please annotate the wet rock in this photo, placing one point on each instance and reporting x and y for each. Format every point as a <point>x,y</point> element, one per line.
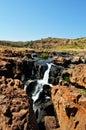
<point>30,87</point>
<point>43,109</point>
<point>55,74</point>
<point>41,70</point>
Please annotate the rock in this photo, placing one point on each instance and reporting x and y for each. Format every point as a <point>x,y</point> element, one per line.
<point>5,68</point>
<point>15,107</point>
<point>55,74</point>
<point>50,123</point>
<point>41,70</point>
<point>78,75</point>
<point>69,110</point>
<point>76,60</point>
<point>16,65</point>
<point>59,60</point>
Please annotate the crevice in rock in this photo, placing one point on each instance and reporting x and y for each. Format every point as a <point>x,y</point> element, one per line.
<point>76,124</point>
<point>77,85</point>
<point>49,112</point>
<point>71,111</point>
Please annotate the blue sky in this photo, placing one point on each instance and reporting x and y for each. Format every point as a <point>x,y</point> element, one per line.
<point>24,20</point>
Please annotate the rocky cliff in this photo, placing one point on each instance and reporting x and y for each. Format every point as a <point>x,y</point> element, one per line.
<point>69,101</point>
<point>15,107</point>
<point>68,97</point>
<point>16,111</point>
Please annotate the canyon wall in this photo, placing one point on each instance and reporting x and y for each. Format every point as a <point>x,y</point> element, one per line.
<point>69,101</point>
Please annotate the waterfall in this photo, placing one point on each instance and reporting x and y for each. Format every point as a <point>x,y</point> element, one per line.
<point>37,93</point>
<point>46,74</point>
<point>40,83</point>
<point>40,90</point>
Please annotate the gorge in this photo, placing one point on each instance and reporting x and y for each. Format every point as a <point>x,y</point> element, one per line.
<point>39,88</point>
<point>38,93</point>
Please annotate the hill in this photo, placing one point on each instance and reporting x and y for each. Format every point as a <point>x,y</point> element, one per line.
<point>50,44</point>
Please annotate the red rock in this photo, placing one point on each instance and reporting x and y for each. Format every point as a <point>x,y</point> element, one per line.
<point>59,60</point>
<point>78,75</point>
<point>69,111</point>
<point>50,123</point>
<point>15,107</point>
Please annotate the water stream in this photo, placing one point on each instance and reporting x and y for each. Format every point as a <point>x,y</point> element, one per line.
<point>40,83</point>
<point>40,90</point>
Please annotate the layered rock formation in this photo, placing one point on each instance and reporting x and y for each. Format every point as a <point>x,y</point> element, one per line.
<point>15,64</point>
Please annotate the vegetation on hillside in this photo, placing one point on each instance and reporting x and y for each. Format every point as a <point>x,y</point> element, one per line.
<point>49,44</point>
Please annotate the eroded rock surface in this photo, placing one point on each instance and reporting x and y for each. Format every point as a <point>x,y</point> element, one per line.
<point>16,64</point>
<point>50,123</point>
<point>68,97</point>
<point>70,107</point>
<point>78,75</point>
<point>15,107</point>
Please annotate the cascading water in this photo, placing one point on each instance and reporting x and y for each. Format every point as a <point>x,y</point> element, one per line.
<point>43,75</point>
<point>40,83</point>
<point>46,74</point>
<point>38,88</point>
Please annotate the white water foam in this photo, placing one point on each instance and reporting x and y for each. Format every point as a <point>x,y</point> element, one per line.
<point>40,83</point>
<point>46,74</point>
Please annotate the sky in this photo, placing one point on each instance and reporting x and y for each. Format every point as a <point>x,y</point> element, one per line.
<point>25,20</point>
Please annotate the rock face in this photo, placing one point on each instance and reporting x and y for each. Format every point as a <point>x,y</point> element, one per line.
<point>68,97</point>
<point>16,65</point>
<point>70,107</point>
<point>15,107</point>
<point>69,100</point>
<point>50,123</point>
<point>78,75</point>
<point>59,60</point>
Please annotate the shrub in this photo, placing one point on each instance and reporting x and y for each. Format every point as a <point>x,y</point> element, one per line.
<point>44,55</point>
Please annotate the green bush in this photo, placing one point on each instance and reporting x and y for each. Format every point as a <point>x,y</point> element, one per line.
<point>67,78</point>
<point>44,55</point>
<point>83,92</point>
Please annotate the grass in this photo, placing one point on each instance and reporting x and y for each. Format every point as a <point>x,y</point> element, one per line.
<point>83,92</point>
<point>44,55</point>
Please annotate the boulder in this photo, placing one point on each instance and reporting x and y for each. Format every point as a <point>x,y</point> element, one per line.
<point>60,60</point>
<point>55,74</point>
<point>50,123</point>
<point>76,60</point>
